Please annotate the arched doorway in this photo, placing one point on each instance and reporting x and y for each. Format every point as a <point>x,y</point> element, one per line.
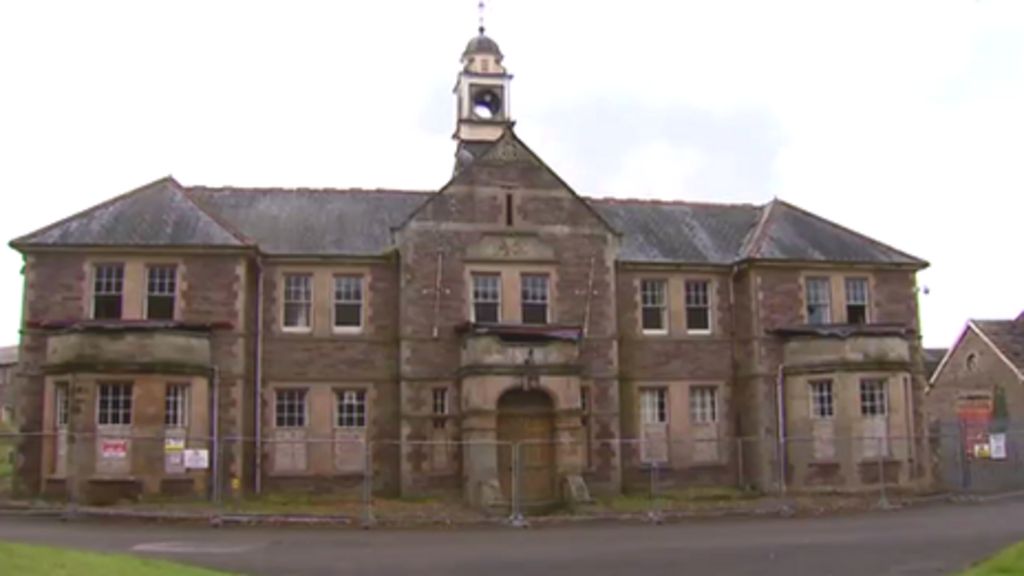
<point>527,417</point>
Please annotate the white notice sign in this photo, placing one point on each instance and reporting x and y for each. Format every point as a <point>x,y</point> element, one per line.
<point>997,446</point>
<point>197,459</point>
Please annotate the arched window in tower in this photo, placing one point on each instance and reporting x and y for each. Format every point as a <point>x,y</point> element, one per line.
<point>486,103</point>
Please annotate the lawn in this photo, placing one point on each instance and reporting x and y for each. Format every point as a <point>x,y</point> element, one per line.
<point>1007,562</point>
<point>39,561</point>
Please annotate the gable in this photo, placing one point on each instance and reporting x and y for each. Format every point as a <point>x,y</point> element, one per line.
<point>157,214</point>
<point>506,182</point>
<point>1003,340</point>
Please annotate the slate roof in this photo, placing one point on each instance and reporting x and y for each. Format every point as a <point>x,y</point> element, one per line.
<point>157,214</point>
<point>679,231</point>
<point>8,355</point>
<point>312,222</point>
<point>360,223</point>
<point>932,358</point>
<point>1007,336</point>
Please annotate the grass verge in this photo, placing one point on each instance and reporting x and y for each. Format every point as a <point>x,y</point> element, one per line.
<point>26,560</point>
<point>1009,561</point>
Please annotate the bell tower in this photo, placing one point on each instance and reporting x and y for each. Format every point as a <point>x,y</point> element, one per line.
<point>482,91</point>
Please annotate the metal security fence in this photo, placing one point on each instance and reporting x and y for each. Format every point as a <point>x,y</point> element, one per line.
<point>346,475</point>
<point>978,457</point>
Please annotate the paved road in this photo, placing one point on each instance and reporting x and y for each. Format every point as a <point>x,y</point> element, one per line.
<point>938,539</point>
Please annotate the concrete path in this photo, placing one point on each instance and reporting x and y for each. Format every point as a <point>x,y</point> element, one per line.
<point>937,539</point>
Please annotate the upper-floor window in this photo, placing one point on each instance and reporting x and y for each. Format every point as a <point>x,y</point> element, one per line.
<point>114,405</point>
<point>698,306</point>
<point>873,401</point>
<point>290,408</point>
<point>819,301</point>
<point>61,404</point>
<point>857,300</point>
<point>486,298</point>
<point>348,302</point>
<point>176,406</point>
<point>440,402</point>
<point>653,308</point>
<point>534,298</point>
<point>654,405</point>
<point>703,404</point>
<point>822,401</point>
<point>351,412</point>
<point>161,287</point>
<point>298,302</point>
<point>108,291</point>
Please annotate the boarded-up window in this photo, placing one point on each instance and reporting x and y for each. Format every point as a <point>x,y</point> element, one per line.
<point>161,288</point>
<point>874,409</point>
<point>486,298</point>
<point>653,309</point>
<point>535,298</point>
<point>654,416</point>
<point>108,289</point>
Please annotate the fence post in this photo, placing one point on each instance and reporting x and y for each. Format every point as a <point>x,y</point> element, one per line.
<point>368,517</point>
<point>883,501</point>
<point>517,520</point>
<point>739,463</point>
<point>653,512</point>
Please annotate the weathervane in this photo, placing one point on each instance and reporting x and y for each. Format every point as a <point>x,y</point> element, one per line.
<point>480,6</point>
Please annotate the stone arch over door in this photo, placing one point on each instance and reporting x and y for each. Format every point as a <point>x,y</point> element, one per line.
<point>527,417</point>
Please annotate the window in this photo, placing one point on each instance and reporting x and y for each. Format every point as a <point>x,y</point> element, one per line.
<point>290,408</point>
<point>822,403</point>
<point>856,300</point>
<point>487,298</point>
<point>298,298</point>
<point>115,405</point>
<point>819,301</point>
<point>440,407</point>
<point>584,399</point>
<point>161,287</point>
<point>351,409</point>
<point>652,306</point>
<point>60,401</point>
<point>972,362</point>
<point>535,298</point>
<point>873,400</point>
<point>654,406</point>
<point>698,307</point>
<point>108,287</point>
<point>703,404</point>
<point>440,401</point>
<point>348,302</point>
<point>176,406</point>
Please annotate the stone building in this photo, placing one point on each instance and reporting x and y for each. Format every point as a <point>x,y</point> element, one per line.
<point>503,308</point>
<point>8,364</point>
<point>981,378</point>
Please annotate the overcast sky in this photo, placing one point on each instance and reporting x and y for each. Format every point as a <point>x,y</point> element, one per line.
<point>903,120</point>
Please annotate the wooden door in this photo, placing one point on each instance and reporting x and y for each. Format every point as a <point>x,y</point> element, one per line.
<point>531,426</point>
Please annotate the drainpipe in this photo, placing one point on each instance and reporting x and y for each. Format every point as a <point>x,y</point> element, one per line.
<point>780,401</point>
<point>258,376</point>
